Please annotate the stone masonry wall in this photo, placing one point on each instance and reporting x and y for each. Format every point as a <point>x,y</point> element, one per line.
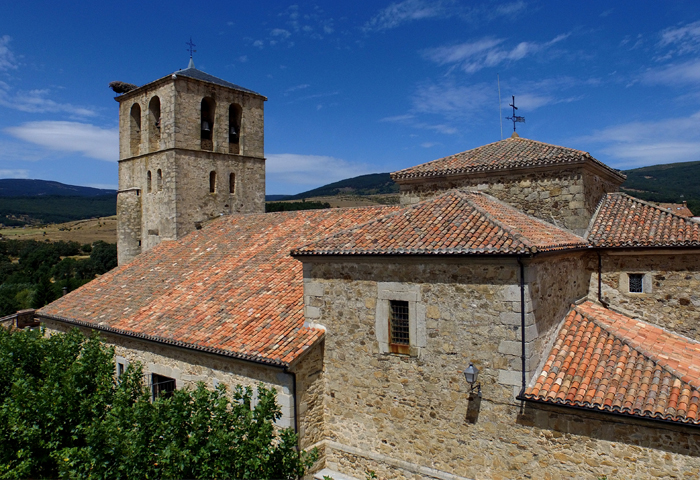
<point>671,297</point>
<point>129,235</point>
<point>412,416</point>
<point>566,197</point>
<point>188,367</point>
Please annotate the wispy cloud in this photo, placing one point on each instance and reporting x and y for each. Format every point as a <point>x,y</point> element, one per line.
<point>291,168</point>
<point>14,173</point>
<point>451,99</point>
<point>7,58</point>
<point>408,11</point>
<point>312,23</point>
<point>88,140</point>
<point>296,87</point>
<point>486,52</point>
<point>673,74</point>
<point>682,40</point>
<point>37,101</point>
<point>637,144</point>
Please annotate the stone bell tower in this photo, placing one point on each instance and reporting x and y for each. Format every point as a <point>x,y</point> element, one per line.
<point>190,149</point>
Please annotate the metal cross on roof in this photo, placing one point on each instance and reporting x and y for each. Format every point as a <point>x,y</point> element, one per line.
<point>191,45</point>
<point>515,118</point>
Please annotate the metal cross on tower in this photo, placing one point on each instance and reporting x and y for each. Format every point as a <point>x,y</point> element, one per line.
<point>191,45</point>
<point>515,118</point>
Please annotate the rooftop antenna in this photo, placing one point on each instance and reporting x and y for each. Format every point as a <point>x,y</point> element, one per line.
<point>191,50</point>
<point>500,114</point>
<point>515,119</point>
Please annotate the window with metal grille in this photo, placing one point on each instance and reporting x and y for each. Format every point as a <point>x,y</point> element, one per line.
<point>636,281</point>
<point>398,326</point>
<point>162,386</point>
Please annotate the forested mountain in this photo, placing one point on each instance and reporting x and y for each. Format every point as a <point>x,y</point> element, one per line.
<point>672,183</point>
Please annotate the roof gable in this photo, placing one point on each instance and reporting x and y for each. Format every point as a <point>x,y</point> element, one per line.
<point>192,72</point>
<point>455,223</point>
<point>625,221</point>
<point>605,361</point>
<point>514,152</point>
<point>231,287</point>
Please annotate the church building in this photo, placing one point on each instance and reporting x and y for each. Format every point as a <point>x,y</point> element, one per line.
<point>515,317</point>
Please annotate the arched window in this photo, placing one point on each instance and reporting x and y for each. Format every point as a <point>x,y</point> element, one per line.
<point>234,128</point>
<point>232,183</point>
<point>154,123</point>
<point>212,182</point>
<point>207,123</point>
<point>148,182</point>
<point>135,129</point>
<point>159,180</point>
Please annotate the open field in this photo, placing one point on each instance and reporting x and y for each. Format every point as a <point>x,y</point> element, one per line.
<point>82,231</point>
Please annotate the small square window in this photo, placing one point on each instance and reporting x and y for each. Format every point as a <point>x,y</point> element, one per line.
<point>398,327</point>
<point>636,282</point>
<point>162,386</point>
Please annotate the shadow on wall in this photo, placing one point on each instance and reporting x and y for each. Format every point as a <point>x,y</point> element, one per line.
<point>677,439</point>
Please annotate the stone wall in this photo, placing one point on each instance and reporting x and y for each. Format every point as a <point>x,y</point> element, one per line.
<point>188,367</point>
<point>129,233</point>
<point>566,197</point>
<point>177,198</point>
<point>413,416</point>
<point>671,297</point>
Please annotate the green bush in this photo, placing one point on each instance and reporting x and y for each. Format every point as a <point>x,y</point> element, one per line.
<point>63,414</point>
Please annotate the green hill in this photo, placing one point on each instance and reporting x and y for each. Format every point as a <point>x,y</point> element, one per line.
<point>372,184</point>
<point>672,183</point>
<point>17,211</point>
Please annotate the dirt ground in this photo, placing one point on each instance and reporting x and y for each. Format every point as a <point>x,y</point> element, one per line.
<point>82,231</point>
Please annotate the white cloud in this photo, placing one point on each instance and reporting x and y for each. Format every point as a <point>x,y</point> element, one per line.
<point>37,101</point>
<point>296,87</point>
<point>291,168</point>
<point>88,140</point>
<point>7,58</point>
<point>448,98</point>
<point>19,173</point>
<point>674,74</point>
<point>398,118</point>
<point>486,52</point>
<point>406,11</point>
<point>280,32</point>
<point>682,40</point>
<point>637,144</point>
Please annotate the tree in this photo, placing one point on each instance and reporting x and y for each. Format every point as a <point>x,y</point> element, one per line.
<point>63,414</point>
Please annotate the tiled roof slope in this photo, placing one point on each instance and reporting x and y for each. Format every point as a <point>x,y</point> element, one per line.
<point>608,362</point>
<point>192,72</point>
<point>230,288</point>
<point>625,221</point>
<point>677,208</point>
<point>506,154</point>
<point>456,222</point>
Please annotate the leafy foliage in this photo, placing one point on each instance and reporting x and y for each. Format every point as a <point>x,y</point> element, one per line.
<point>291,206</point>
<point>27,281</point>
<point>63,414</point>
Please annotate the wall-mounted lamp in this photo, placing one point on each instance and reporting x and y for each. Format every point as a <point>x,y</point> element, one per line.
<point>471,374</point>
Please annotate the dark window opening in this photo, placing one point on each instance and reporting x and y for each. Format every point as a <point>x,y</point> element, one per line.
<point>207,123</point>
<point>232,183</point>
<point>162,386</point>
<point>636,281</point>
<point>120,369</point>
<point>234,128</point>
<point>212,182</point>
<point>159,180</point>
<point>154,123</point>
<point>148,182</point>
<point>135,129</point>
<point>399,340</point>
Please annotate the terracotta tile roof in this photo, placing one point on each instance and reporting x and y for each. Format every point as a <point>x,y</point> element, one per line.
<point>677,208</point>
<point>230,288</point>
<point>625,221</point>
<point>457,222</point>
<point>505,154</point>
<point>605,361</point>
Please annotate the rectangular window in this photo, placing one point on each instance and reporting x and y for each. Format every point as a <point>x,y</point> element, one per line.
<point>120,369</point>
<point>162,386</point>
<point>636,282</point>
<point>398,327</point>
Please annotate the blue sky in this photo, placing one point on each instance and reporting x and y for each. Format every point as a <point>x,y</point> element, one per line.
<point>357,87</point>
